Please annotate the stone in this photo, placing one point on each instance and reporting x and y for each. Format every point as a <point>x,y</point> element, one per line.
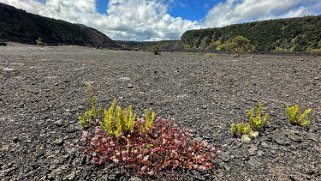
<point>281,141</point>
<point>246,138</point>
<point>253,150</point>
<point>15,139</point>
<point>130,86</point>
<point>71,176</point>
<point>264,145</point>
<point>59,142</point>
<point>124,78</point>
<point>59,123</point>
<point>133,178</point>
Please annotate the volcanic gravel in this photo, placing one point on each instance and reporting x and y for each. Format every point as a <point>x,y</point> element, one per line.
<point>43,92</point>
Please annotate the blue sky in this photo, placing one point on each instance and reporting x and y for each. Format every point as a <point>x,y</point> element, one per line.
<point>149,20</point>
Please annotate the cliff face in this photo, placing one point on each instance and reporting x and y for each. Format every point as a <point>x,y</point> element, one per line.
<point>293,34</point>
<point>20,26</point>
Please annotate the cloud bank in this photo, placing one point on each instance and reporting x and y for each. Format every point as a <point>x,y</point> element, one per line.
<point>150,20</point>
<point>239,11</point>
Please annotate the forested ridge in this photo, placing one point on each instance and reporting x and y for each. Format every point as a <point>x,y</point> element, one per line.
<point>292,34</point>
<point>20,26</point>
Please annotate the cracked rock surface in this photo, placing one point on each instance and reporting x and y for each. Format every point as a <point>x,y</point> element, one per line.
<point>42,93</point>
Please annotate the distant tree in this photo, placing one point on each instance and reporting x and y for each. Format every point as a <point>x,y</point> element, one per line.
<point>239,45</point>
<point>156,50</point>
<point>40,42</point>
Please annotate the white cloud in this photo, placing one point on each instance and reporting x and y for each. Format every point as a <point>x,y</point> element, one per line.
<point>238,11</point>
<point>124,19</point>
<point>150,20</point>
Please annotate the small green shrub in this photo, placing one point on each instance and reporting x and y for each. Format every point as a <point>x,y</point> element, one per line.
<point>149,119</point>
<point>239,45</point>
<point>93,113</point>
<point>143,144</point>
<point>256,121</point>
<point>156,50</point>
<point>117,121</point>
<point>251,128</point>
<point>40,42</point>
<point>295,117</point>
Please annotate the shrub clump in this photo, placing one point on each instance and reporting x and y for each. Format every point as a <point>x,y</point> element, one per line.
<point>156,50</point>
<point>40,42</point>
<point>145,144</point>
<point>295,117</point>
<point>251,128</point>
<point>239,45</point>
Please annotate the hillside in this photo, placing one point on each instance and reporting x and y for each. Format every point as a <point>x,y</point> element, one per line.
<point>19,26</point>
<point>293,34</point>
<point>148,45</point>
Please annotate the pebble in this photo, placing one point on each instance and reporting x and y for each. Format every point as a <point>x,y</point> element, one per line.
<point>130,86</point>
<point>71,176</point>
<point>59,142</point>
<point>133,178</point>
<point>124,78</point>
<point>59,123</point>
<point>253,150</point>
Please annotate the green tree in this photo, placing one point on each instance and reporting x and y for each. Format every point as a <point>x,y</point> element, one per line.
<point>239,45</point>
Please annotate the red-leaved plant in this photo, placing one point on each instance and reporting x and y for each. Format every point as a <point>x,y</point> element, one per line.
<point>162,146</point>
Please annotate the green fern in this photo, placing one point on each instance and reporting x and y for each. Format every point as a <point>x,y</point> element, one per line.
<point>117,121</point>
<point>257,122</point>
<point>94,113</point>
<point>233,130</point>
<point>251,128</point>
<point>149,119</point>
<point>295,117</point>
<point>243,128</point>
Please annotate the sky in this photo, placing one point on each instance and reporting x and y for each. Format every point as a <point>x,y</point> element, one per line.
<point>153,20</point>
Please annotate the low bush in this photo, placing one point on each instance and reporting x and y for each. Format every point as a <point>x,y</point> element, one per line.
<point>251,128</point>
<point>156,50</point>
<point>257,121</point>
<point>40,42</point>
<point>295,117</point>
<point>146,144</point>
<point>239,45</point>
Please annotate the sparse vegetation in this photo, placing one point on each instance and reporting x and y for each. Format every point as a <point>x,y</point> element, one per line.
<point>292,34</point>
<point>251,128</point>
<point>257,121</point>
<point>40,42</point>
<point>239,45</point>
<point>156,50</point>
<point>295,117</point>
<point>143,144</point>
<point>90,116</point>
<point>209,55</point>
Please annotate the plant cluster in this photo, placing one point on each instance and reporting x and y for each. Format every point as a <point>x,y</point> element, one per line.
<point>295,117</point>
<point>251,128</point>
<point>143,144</point>
<point>93,114</point>
<point>156,50</point>
<point>239,45</point>
<point>40,42</point>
